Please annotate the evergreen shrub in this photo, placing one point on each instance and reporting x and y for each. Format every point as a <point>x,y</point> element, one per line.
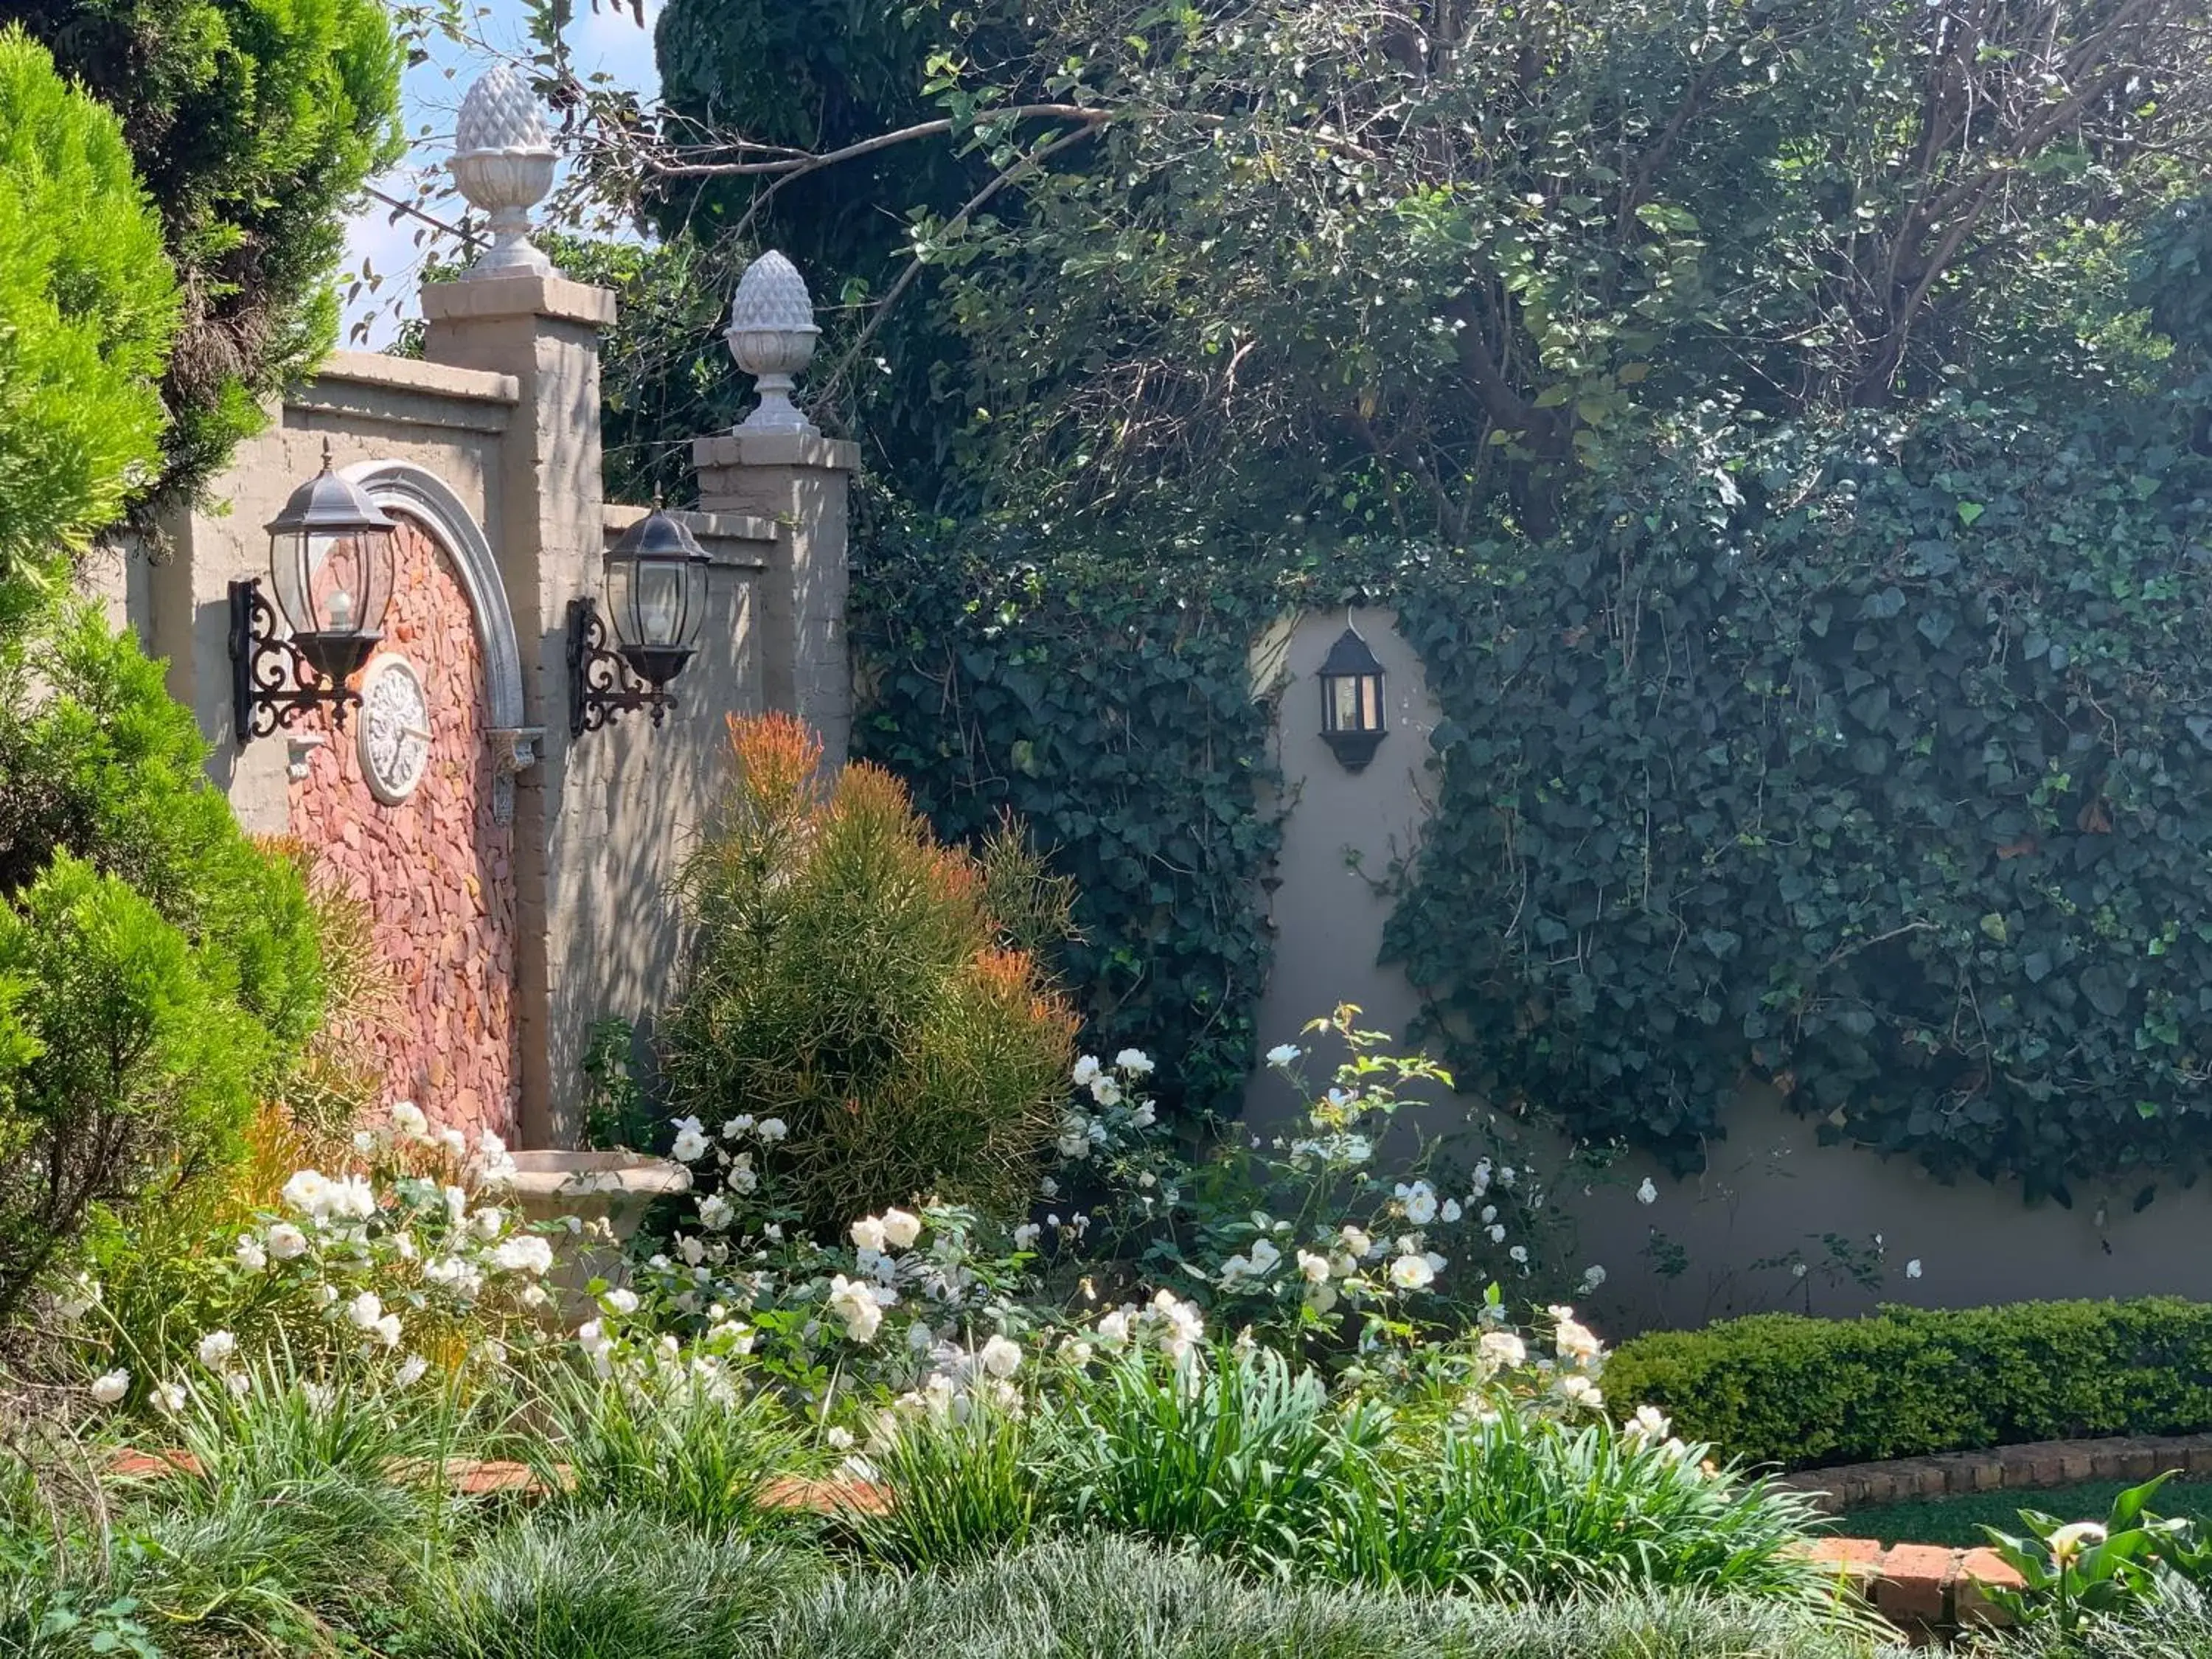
<point>847,975</point>
<point>1907,1381</point>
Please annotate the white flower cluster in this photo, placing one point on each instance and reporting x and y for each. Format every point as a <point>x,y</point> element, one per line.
<point>1176,1327</point>
<point>1116,1105</point>
<point>726,1162</point>
<point>355,1247</point>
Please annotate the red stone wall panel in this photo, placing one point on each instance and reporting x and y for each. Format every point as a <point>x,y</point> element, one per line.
<point>436,870</point>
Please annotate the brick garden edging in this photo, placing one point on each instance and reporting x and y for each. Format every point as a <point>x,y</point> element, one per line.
<point>2042,1463</point>
<point>1925,1590</point>
<point>1931,1590</point>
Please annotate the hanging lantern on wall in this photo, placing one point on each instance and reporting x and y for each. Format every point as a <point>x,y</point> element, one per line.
<point>330,563</point>
<point>1352,700</point>
<point>656,598</point>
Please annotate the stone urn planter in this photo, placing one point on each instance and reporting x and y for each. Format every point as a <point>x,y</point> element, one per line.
<point>613,1188</point>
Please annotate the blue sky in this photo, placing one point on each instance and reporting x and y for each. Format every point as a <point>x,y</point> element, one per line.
<point>609,39</point>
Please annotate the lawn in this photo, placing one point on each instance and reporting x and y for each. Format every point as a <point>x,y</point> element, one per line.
<point>1960,1519</point>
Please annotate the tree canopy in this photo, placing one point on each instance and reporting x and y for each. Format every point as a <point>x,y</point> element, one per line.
<point>252,123</point>
<point>88,307</point>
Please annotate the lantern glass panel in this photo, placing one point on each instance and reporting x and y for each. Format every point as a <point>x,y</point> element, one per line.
<point>332,581</point>
<point>656,604</point>
<point>1344,704</point>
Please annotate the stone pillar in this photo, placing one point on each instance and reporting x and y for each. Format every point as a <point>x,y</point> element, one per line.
<point>799,481</point>
<point>545,331</point>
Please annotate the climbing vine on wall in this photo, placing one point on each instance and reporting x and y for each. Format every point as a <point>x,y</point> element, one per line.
<point>1877,765</point>
<point>1107,704</point>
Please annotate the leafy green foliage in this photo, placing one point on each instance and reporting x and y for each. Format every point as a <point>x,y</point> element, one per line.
<point>2074,1573</point>
<point>846,978</point>
<point>87,307</point>
<point>1111,713</point>
<point>1905,1382</point>
<point>819,78</point>
<point>675,1450</point>
<point>966,1487</point>
<point>1870,763</point>
<point>160,967</point>
<point>254,125</point>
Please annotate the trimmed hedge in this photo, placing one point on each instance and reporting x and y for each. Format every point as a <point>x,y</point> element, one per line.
<point>1906,1381</point>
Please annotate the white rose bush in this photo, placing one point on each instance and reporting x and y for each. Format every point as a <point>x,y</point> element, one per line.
<point>405,1260</point>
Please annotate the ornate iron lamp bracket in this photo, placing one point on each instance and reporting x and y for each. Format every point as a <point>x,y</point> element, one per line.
<point>272,683</point>
<point>601,683</point>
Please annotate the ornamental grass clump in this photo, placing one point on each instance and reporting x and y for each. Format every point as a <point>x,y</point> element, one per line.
<point>847,977</point>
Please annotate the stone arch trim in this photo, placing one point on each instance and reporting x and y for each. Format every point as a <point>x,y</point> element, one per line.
<point>430,502</point>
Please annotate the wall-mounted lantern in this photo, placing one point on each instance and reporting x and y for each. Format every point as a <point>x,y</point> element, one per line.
<point>656,599</point>
<point>330,561</point>
<point>1352,700</point>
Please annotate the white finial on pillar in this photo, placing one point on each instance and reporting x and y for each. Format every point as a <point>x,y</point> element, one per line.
<point>772,335</point>
<point>503,163</point>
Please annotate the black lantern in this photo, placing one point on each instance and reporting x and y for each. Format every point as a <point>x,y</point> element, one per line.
<point>1352,700</point>
<point>656,599</point>
<point>330,562</point>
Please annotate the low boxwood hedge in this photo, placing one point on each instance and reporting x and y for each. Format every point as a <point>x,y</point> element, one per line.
<point>1905,1382</point>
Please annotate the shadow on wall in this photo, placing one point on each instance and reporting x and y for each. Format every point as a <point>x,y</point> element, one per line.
<point>1777,1220</point>
<point>640,796</point>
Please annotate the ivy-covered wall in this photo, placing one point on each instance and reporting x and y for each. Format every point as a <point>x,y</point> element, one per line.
<point>1877,769</point>
<point>1111,710</point>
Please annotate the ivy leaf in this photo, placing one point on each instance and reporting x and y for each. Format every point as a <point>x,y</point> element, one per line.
<point>1970,511</point>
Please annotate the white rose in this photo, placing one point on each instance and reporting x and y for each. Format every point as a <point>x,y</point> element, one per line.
<point>169,1397</point>
<point>1025,1236</point>
<point>1314,1267</point>
<point>410,1371</point>
<point>737,1126</point>
<point>1282,1054</point>
<point>868,1234</point>
<point>624,1301</point>
<point>407,1118</point>
<point>772,1129</point>
<point>854,1301</point>
<point>109,1388</point>
<point>486,1222</point>
<point>216,1347</point>
<point>455,1143</point>
<point>901,1230</point>
<point>1412,1273</point>
<point>1356,1242</point>
<point>691,1144</point>
<point>387,1330</point>
<point>1135,1061</point>
<point>306,1191</point>
<point>714,1212</point>
<point>365,1309</point>
<point>1647,1193</point>
<point>1501,1348</point>
<point>525,1252</point>
<point>250,1254</point>
<point>1085,1069</point>
<point>1001,1356</point>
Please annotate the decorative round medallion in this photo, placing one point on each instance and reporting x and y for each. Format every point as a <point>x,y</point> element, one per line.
<point>392,732</point>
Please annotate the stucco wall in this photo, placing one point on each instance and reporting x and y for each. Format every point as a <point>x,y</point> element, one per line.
<point>1771,1194</point>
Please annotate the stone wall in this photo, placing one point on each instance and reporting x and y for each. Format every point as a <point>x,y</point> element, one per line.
<point>435,871</point>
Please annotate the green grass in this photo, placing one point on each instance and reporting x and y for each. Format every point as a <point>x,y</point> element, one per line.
<point>1959,1520</point>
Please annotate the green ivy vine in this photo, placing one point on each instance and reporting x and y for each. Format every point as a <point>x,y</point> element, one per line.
<point>1877,765</point>
<point>1110,708</point>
